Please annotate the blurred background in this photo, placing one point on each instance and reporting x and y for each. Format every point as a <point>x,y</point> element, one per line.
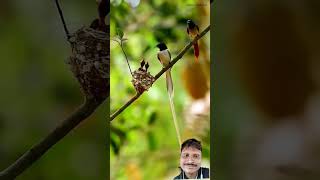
<point>143,142</point>
<point>267,89</point>
<point>38,91</point>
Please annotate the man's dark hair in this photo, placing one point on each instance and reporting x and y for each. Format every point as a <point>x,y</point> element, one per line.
<point>191,143</point>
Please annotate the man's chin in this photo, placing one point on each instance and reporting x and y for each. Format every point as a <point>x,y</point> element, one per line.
<point>191,169</point>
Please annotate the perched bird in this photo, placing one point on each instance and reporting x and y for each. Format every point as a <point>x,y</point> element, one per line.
<point>142,63</point>
<point>164,57</point>
<point>147,66</point>
<point>103,10</point>
<point>193,31</point>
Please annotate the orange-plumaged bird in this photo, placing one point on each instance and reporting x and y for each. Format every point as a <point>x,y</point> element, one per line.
<point>193,31</point>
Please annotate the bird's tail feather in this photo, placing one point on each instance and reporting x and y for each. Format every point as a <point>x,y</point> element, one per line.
<point>169,83</point>
<point>173,112</point>
<point>196,51</point>
<point>175,122</point>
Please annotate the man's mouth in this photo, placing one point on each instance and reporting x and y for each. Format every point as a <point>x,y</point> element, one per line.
<point>192,165</point>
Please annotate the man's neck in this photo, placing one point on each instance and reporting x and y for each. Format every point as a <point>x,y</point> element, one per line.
<point>192,175</point>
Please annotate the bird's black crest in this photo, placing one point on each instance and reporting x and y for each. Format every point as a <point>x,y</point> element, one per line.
<point>162,46</point>
<point>190,23</point>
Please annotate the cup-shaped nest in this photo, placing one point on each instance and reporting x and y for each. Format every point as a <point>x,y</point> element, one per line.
<point>90,62</point>
<point>142,80</point>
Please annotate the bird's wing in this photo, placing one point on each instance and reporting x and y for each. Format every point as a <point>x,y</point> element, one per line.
<point>169,54</point>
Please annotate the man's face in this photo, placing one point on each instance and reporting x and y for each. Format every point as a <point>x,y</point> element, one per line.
<point>190,160</point>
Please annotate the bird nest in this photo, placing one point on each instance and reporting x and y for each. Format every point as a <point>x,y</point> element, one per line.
<point>142,80</point>
<point>90,62</point>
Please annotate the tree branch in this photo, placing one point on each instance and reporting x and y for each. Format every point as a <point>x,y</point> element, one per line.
<point>176,59</point>
<point>38,150</point>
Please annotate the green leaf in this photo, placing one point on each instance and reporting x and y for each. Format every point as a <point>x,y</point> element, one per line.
<point>152,118</point>
<point>120,33</point>
<point>151,141</point>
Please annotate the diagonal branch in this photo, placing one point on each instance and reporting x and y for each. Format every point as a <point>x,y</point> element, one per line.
<point>32,155</point>
<point>176,59</point>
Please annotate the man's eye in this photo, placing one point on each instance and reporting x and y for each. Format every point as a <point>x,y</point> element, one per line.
<point>185,155</point>
<point>196,156</point>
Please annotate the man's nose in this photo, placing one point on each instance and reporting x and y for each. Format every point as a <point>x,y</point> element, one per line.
<point>190,160</point>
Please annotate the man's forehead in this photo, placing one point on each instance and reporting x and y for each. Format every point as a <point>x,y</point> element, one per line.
<point>191,150</point>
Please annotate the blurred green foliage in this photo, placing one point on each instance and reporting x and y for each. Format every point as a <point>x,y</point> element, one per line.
<point>143,139</point>
<point>38,91</point>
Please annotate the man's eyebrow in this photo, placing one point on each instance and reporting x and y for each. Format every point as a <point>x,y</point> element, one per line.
<point>191,153</point>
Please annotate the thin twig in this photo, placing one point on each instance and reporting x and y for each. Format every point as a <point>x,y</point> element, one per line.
<point>120,42</point>
<point>176,59</point>
<point>126,58</point>
<point>32,155</point>
<point>62,19</point>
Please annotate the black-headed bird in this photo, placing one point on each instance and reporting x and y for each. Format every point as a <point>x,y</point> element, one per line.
<point>164,57</point>
<point>193,31</point>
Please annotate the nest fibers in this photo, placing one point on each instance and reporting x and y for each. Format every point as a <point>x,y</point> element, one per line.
<point>142,80</point>
<point>90,62</point>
